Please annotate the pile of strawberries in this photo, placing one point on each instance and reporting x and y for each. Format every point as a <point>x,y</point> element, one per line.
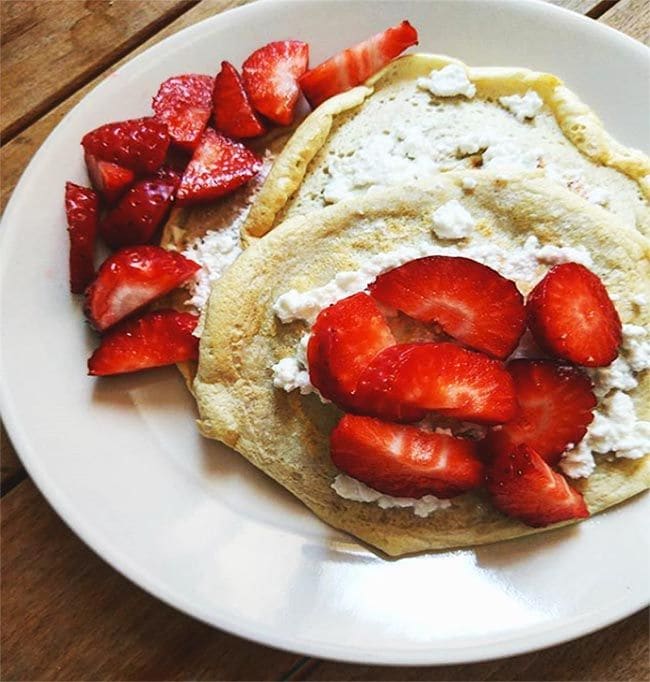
<point>189,151</point>
<point>534,409</point>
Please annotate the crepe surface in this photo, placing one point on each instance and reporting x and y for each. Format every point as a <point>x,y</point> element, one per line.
<point>392,131</point>
<point>286,434</point>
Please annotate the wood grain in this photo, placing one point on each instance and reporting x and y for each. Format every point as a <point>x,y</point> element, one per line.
<point>50,48</point>
<point>631,17</point>
<point>11,468</point>
<point>66,615</point>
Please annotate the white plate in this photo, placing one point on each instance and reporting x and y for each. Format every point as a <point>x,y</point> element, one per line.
<point>192,522</point>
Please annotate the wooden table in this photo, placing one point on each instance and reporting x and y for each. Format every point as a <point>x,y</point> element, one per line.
<point>65,613</point>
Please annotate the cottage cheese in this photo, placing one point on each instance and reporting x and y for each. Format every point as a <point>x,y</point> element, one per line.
<point>506,157</point>
<point>449,81</point>
<point>523,107</point>
<point>452,221</point>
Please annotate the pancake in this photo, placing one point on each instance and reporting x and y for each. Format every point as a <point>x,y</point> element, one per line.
<point>286,434</point>
<point>395,130</point>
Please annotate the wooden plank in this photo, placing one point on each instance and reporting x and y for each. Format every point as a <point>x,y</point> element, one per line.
<point>11,467</point>
<point>49,49</point>
<point>580,6</point>
<point>631,17</point>
<point>620,652</point>
<point>66,615</point>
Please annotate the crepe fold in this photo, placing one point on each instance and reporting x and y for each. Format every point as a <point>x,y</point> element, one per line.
<point>286,434</point>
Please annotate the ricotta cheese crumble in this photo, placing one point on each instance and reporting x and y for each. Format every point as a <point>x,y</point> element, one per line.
<point>523,106</point>
<point>449,81</point>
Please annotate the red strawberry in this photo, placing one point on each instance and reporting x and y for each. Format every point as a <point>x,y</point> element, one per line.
<point>138,214</point>
<point>355,65</point>
<point>404,461</point>
<point>522,485</point>
<point>81,209</point>
<point>153,340</point>
<point>109,179</point>
<point>271,78</point>
<point>169,175</point>
<point>184,104</point>
<point>233,111</point>
<point>219,166</point>
<point>438,376</point>
<point>139,144</point>
<point>471,302</point>
<point>571,316</point>
<point>130,279</point>
<point>555,408</point>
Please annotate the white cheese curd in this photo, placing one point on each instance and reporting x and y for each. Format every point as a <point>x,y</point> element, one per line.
<point>449,81</point>
<point>523,107</point>
<point>507,157</point>
<point>473,143</point>
<point>452,221</point>
<point>578,462</point>
<point>598,196</point>
<point>289,375</point>
<point>351,489</point>
<point>636,347</point>
<point>639,300</point>
<point>468,183</point>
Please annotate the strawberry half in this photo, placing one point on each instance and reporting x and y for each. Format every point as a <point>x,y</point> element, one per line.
<point>109,179</point>
<point>471,302</point>
<point>571,316</point>
<point>156,339</point>
<point>271,76</point>
<point>130,279</point>
<point>233,111</point>
<point>555,407</point>
<point>184,104</point>
<point>139,144</point>
<point>219,165</point>
<point>522,485</point>
<point>404,461</point>
<point>139,213</point>
<point>438,376</point>
<point>81,210</point>
<point>355,65</point>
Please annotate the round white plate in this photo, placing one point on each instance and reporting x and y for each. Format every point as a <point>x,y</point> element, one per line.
<point>192,522</point>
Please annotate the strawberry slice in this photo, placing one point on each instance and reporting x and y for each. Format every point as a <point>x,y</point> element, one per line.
<point>139,213</point>
<point>271,76</point>
<point>355,65</point>
<point>233,111</point>
<point>184,104</point>
<point>109,179</point>
<point>81,209</point>
<point>130,279</point>
<point>153,340</point>
<point>404,461</point>
<point>438,376</point>
<point>571,316</point>
<point>139,144</point>
<point>555,408</point>
<point>471,302</point>
<point>522,485</point>
<point>219,165</point>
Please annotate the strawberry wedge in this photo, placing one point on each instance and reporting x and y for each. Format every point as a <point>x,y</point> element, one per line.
<point>556,405</point>
<point>404,461</point>
<point>442,377</point>
<point>109,179</point>
<point>522,485</point>
<point>355,65</point>
<point>233,111</point>
<point>130,279</point>
<point>82,210</point>
<point>156,339</point>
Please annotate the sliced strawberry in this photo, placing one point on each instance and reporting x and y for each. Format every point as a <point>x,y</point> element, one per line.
<point>138,214</point>
<point>404,461</point>
<point>555,408</point>
<point>139,144</point>
<point>184,104</point>
<point>571,316</point>
<point>233,111</point>
<point>522,485</point>
<point>355,65</point>
<point>130,279</point>
<point>81,209</point>
<point>471,302</point>
<point>438,376</point>
<point>152,340</point>
<point>109,179</point>
<point>271,76</point>
<point>219,165</point>
<point>169,175</point>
